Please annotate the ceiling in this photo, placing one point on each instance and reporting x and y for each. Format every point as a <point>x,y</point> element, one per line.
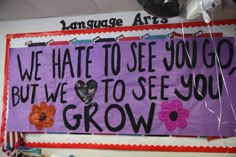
<point>29,9</point>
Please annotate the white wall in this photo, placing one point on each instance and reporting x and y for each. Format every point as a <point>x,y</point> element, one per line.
<point>112,153</point>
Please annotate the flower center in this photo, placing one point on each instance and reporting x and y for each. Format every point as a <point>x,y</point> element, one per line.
<point>173,116</point>
<point>42,116</point>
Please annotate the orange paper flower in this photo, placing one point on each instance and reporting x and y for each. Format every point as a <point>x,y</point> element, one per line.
<point>42,115</point>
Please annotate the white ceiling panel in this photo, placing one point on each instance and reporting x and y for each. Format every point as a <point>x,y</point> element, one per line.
<point>116,5</point>
<point>64,7</point>
<point>17,9</point>
<point>28,9</point>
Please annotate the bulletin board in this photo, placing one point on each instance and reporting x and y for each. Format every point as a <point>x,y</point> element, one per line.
<point>142,86</point>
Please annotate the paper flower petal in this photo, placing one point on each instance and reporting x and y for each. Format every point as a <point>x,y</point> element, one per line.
<point>173,115</point>
<point>42,116</point>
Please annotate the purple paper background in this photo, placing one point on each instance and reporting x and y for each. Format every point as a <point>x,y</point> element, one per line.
<point>201,121</point>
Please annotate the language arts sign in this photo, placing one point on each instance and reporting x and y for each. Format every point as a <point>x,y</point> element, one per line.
<point>153,87</point>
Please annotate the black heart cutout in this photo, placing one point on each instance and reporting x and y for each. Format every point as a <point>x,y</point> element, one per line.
<point>86,91</point>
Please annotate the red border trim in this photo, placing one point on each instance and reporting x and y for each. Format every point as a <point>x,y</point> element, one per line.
<point>109,146</point>
<point>4,104</point>
<point>135,147</point>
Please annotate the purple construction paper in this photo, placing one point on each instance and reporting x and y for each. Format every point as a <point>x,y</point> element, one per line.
<point>143,78</point>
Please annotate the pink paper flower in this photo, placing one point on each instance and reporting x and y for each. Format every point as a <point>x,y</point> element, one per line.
<point>174,115</point>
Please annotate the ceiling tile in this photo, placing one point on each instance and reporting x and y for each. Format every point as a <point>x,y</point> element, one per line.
<point>116,5</point>
<point>17,9</point>
<point>64,7</point>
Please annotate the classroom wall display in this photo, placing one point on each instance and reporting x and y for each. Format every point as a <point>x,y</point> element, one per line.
<point>136,83</point>
<point>132,87</point>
